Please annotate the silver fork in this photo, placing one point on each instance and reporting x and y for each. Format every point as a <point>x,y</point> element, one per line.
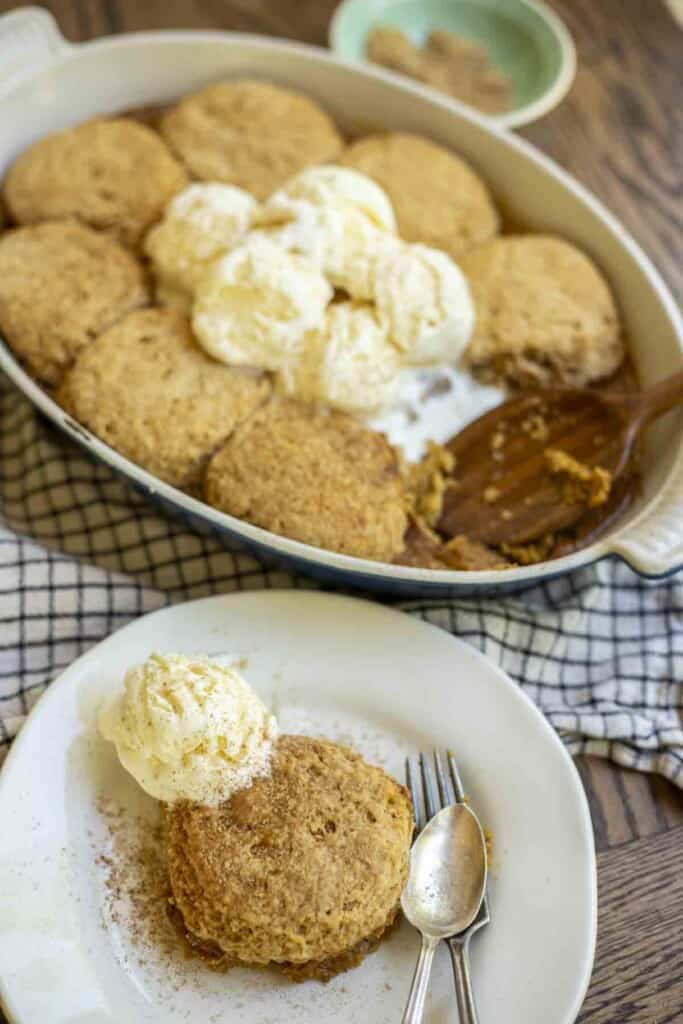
<point>431,788</point>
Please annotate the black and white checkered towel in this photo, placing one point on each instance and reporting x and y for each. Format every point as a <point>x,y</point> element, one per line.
<point>600,652</point>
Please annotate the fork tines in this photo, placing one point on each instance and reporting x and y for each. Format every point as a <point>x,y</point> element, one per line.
<point>433,785</point>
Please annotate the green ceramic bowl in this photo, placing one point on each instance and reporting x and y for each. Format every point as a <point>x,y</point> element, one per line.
<point>523,37</point>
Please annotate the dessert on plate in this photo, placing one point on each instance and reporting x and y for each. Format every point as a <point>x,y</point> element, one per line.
<point>282,850</point>
<point>293,325</point>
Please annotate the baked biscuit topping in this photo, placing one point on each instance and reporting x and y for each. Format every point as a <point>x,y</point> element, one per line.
<point>147,388</point>
<point>313,475</point>
<point>115,174</point>
<point>61,285</point>
<point>437,197</point>
<point>300,868</point>
<point>544,313</point>
<point>250,134</point>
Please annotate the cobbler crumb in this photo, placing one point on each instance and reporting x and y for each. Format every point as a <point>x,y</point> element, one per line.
<point>587,484</point>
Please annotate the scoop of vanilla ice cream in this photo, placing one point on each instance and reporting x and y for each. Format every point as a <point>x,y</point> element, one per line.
<point>254,306</point>
<point>349,363</point>
<point>304,228</point>
<point>337,236</point>
<point>201,224</point>
<point>426,301</point>
<point>324,184</point>
<point>188,728</point>
<point>363,248</point>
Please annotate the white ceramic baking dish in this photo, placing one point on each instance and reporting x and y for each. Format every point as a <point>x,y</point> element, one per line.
<point>47,84</point>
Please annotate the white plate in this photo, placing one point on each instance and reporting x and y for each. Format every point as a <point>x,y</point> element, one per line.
<point>349,670</point>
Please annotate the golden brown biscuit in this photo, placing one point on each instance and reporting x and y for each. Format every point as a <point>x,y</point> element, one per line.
<point>116,175</point>
<point>544,312</point>
<point>437,197</point>
<point>298,870</point>
<point>316,476</point>
<point>148,390</point>
<point>250,134</point>
<point>62,284</point>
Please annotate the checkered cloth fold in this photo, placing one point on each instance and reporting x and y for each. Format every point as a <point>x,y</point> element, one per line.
<point>600,651</point>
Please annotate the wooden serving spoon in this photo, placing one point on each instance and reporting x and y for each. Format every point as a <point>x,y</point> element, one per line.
<point>509,487</point>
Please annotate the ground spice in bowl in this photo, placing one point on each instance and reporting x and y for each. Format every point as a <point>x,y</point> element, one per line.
<point>457,66</point>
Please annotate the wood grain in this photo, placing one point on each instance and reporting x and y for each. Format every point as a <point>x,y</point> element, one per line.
<point>638,974</point>
<point>620,132</point>
<point>626,805</point>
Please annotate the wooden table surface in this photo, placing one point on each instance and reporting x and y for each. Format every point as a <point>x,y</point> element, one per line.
<point>620,132</point>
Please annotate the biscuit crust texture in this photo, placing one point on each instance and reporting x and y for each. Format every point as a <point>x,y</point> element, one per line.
<point>61,285</point>
<point>148,390</point>
<point>544,312</point>
<point>438,198</point>
<point>115,174</point>
<point>250,134</point>
<point>313,475</point>
<point>299,869</point>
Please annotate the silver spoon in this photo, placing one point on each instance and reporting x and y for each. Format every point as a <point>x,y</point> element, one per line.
<point>445,887</point>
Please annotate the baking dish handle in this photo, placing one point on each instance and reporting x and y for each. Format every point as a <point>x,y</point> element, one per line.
<point>29,40</point>
<point>653,544</point>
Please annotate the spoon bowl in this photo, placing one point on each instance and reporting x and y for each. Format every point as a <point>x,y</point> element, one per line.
<point>447,876</point>
<point>517,466</point>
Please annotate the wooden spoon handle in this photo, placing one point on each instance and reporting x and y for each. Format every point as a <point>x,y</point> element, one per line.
<point>662,397</point>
